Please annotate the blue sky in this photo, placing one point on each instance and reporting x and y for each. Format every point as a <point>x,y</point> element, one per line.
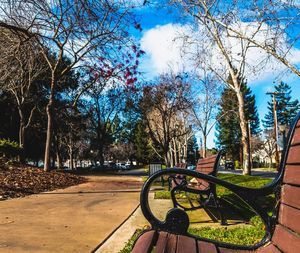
<point>160,26</point>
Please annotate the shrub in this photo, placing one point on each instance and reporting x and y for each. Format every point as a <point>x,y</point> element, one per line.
<point>9,148</point>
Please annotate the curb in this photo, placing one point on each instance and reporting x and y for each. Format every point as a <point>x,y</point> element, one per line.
<point>98,249</point>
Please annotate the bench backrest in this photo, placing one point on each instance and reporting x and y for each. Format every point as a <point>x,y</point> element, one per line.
<point>181,165</point>
<point>209,166</point>
<point>286,235</point>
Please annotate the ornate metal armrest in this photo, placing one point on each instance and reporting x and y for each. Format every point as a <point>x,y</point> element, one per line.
<point>177,220</point>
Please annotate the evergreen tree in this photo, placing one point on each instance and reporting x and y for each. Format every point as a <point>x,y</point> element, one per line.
<point>229,132</point>
<point>192,150</point>
<point>286,108</point>
<point>144,153</point>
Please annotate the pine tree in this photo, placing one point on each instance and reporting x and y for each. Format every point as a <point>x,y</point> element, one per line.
<point>229,133</point>
<point>192,150</point>
<point>286,109</point>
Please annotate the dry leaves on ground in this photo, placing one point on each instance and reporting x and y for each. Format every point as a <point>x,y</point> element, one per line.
<point>20,180</point>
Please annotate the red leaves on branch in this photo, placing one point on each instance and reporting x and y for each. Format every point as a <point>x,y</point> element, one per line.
<point>123,69</point>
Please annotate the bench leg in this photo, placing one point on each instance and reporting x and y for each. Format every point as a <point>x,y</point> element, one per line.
<point>219,209</point>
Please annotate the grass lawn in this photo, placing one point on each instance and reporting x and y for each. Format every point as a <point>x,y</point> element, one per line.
<point>248,233</point>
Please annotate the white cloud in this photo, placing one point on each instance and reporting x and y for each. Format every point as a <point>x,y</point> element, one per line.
<point>162,49</point>
<point>164,52</point>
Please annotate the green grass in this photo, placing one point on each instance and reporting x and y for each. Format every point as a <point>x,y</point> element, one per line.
<point>239,235</point>
<point>162,195</point>
<point>242,180</point>
<point>129,245</point>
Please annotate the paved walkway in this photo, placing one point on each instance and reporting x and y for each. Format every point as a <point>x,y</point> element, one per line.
<point>75,219</point>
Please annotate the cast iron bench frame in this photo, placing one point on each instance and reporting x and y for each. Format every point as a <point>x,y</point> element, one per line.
<point>177,221</point>
<point>207,195</point>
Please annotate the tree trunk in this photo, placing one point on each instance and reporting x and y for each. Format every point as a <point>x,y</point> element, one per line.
<point>71,158</point>
<point>204,145</point>
<point>49,136</point>
<point>21,133</point>
<point>49,112</point>
<point>243,126</point>
<point>22,142</point>
<point>58,160</point>
<point>167,158</point>
<point>175,161</point>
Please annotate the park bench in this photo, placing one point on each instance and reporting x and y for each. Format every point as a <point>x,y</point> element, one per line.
<point>206,191</point>
<point>282,228</point>
<point>177,180</point>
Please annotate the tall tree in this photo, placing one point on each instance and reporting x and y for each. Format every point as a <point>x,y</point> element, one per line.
<point>161,105</point>
<point>229,134</point>
<point>270,26</point>
<point>205,106</point>
<point>141,140</point>
<point>104,110</point>
<point>22,74</point>
<point>79,30</point>
<point>286,108</point>
<point>192,150</point>
<point>211,47</point>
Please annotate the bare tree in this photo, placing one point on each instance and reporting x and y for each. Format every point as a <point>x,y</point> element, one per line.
<point>179,145</point>
<point>162,105</point>
<point>269,146</point>
<point>204,110</point>
<point>215,52</point>
<point>61,28</point>
<point>21,67</point>
<point>270,27</point>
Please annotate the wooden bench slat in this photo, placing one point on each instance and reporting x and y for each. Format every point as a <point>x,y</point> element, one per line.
<point>206,247</point>
<point>292,174</point>
<point>201,185</point>
<point>290,195</point>
<point>180,165</point>
<point>285,240</point>
<point>210,169</point>
<point>186,244</point>
<point>289,217</point>
<point>209,166</point>
<point>225,250</point>
<point>161,242</point>
<point>207,162</point>
<point>171,244</point>
<point>270,248</point>
<point>143,244</point>
<point>296,136</point>
<point>294,155</point>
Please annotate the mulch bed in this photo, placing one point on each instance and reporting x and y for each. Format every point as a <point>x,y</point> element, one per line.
<point>18,180</point>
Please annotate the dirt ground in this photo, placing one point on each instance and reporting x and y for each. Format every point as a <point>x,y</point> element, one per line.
<point>75,219</point>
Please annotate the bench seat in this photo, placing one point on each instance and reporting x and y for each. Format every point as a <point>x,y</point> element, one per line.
<point>282,228</point>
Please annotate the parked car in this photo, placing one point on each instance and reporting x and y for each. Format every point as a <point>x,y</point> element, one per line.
<point>121,166</point>
<point>229,165</point>
<point>191,167</point>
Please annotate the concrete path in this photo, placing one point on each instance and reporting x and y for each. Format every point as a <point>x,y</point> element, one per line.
<point>76,219</point>
<point>119,238</point>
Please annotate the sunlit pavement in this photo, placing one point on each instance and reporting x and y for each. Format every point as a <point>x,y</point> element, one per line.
<point>75,219</point>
